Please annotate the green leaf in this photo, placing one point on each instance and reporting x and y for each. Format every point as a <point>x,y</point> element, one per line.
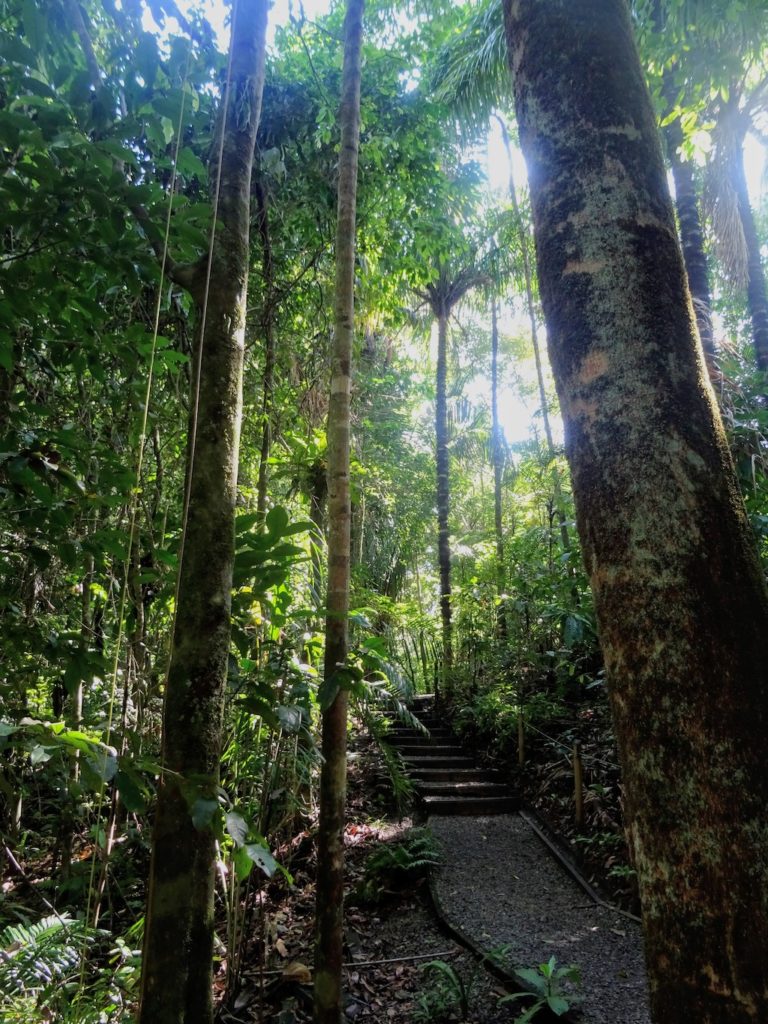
<point>558,1005</point>
<point>277,520</point>
<point>533,979</point>
<point>237,827</point>
<point>203,811</point>
<point>290,717</point>
<point>328,691</point>
<point>40,754</point>
<point>261,857</point>
<point>131,789</point>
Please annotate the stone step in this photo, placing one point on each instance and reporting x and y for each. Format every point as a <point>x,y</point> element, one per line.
<point>478,805</point>
<point>478,787</point>
<point>419,762</point>
<point>454,775</point>
<point>435,735</point>
<point>431,750</point>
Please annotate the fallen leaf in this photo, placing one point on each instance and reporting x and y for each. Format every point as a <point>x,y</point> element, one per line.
<point>296,971</point>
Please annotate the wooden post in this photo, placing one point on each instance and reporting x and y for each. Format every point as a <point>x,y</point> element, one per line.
<point>578,785</point>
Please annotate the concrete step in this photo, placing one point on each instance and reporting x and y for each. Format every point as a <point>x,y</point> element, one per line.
<point>420,762</point>
<point>412,736</point>
<point>477,787</point>
<point>454,775</point>
<point>431,750</point>
<point>478,805</point>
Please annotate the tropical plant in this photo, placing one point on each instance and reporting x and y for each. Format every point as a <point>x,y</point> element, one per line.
<point>551,987</point>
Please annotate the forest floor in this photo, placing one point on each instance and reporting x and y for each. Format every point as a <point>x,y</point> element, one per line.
<point>496,884</point>
<point>392,932</point>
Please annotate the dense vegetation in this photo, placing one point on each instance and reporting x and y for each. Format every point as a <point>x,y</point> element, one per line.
<point>132,331</point>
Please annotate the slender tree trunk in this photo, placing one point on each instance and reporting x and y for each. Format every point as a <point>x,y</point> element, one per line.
<point>757,298</point>
<point>443,485</point>
<point>681,601</point>
<point>497,454</point>
<point>691,231</point>
<point>318,497</point>
<point>268,376</point>
<point>530,304</point>
<point>333,778</point>
<point>178,948</point>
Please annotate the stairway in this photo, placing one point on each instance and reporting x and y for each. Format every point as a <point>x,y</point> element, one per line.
<point>447,780</point>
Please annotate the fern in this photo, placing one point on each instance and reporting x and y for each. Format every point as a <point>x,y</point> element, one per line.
<point>37,958</point>
<point>397,863</point>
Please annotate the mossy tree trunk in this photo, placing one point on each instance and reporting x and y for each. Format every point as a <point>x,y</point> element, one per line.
<point>333,777</point>
<point>680,598</point>
<point>178,949</point>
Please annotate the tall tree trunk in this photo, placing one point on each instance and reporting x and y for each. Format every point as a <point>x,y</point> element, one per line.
<point>530,304</point>
<point>497,455</point>
<point>268,327</point>
<point>680,598</point>
<point>178,947</point>
<point>333,776</point>
<point>443,486</point>
<point>757,299</point>
<point>318,498</point>
<point>691,231</point>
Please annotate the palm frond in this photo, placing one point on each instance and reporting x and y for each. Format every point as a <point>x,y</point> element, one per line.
<point>471,73</point>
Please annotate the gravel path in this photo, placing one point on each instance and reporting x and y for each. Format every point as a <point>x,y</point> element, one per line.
<point>500,886</point>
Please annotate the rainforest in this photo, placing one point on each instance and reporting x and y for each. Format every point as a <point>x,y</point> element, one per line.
<point>383,511</point>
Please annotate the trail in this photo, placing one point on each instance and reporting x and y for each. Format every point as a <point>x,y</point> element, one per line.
<point>500,887</point>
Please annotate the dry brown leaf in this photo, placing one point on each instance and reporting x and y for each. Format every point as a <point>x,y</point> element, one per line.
<point>296,971</point>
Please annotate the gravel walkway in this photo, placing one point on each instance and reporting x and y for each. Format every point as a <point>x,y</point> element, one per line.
<point>500,886</point>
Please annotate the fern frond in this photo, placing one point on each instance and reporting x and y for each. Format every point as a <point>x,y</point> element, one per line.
<point>36,957</point>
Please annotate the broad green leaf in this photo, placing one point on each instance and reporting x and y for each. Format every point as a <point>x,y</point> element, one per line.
<point>277,520</point>
<point>131,789</point>
<point>203,811</point>
<point>290,717</point>
<point>261,857</point>
<point>237,827</point>
<point>558,1005</point>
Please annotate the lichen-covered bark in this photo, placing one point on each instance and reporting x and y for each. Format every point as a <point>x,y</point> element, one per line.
<point>680,598</point>
<point>178,949</point>
<point>333,777</point>
<point>443,485</point>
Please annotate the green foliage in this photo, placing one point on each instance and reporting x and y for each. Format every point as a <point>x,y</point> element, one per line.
<point>42,971</point>
<point>393,866</point>
<point>40,957</point>
<point>447,996</point>
<point>550,986</point>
